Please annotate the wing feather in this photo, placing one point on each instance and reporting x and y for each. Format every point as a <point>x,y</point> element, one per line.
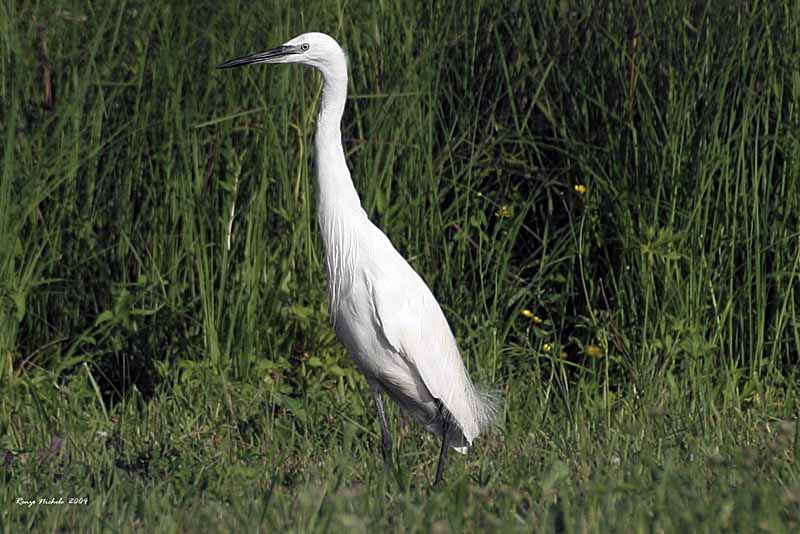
<point>412,322</point>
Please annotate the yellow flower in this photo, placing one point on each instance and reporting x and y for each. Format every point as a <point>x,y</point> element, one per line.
<point>580,189</point>
<point>505,212</point>
<point>547,347</point>
<point>532,316</point>
<point>593,351</point>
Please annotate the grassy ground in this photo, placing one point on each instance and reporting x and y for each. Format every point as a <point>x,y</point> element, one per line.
<point>603,198</point>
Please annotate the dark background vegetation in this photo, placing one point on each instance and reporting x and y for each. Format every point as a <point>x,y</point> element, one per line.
<point>603,197</point>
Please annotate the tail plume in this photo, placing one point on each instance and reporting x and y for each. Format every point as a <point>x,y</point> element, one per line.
<point>488,404</point>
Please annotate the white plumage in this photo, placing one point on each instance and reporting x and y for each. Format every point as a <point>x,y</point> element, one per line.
<point>382,311</point>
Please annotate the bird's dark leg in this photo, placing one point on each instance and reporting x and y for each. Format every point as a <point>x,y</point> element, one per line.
<point>443,453</point>
<point>386,437</point>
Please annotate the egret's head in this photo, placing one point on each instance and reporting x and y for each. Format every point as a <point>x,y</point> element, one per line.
<point>314,49</point>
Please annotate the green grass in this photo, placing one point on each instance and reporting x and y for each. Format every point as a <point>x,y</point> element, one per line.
<point>165,350</point>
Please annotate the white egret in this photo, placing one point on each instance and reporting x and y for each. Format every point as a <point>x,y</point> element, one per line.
<point>382,311</point>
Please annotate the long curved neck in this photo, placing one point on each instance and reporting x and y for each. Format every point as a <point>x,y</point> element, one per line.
<point>334,185</point>
<point>338,205</point>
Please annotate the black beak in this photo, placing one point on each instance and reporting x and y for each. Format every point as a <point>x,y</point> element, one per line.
<point>262,57</point>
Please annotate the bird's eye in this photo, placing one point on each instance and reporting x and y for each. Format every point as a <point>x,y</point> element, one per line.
<point>304,47</point>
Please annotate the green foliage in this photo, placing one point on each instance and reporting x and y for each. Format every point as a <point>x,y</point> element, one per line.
<point>603,197</point>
